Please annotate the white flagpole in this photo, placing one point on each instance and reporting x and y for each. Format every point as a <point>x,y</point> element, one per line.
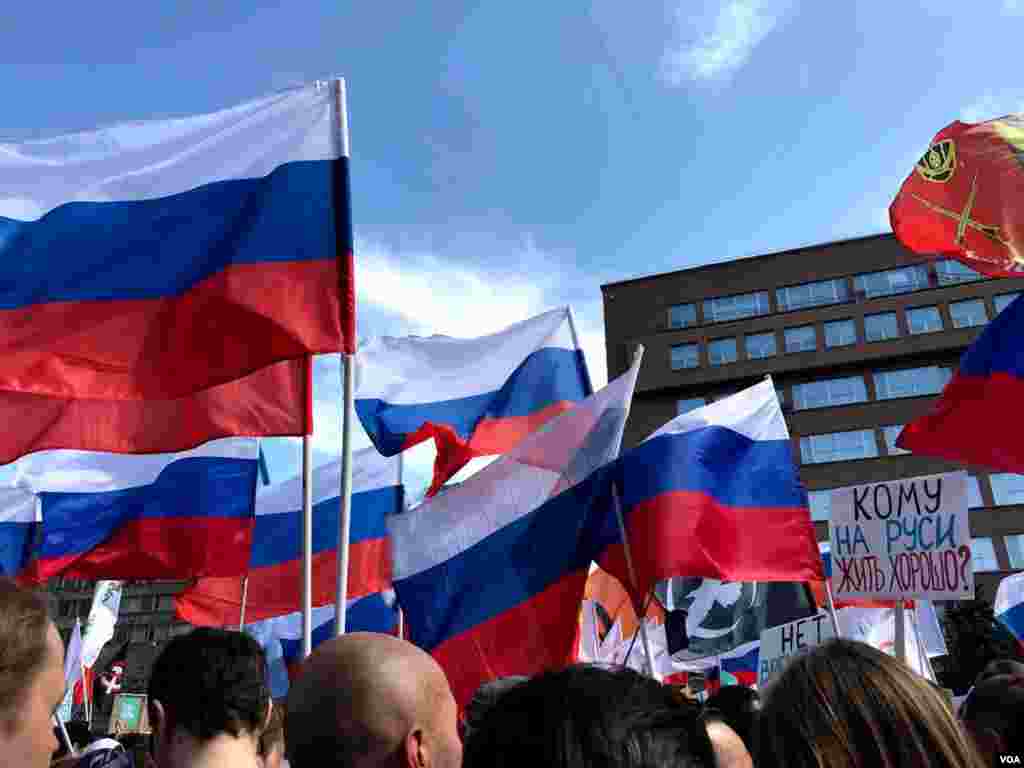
<point>900,632</point>
<point>576,343</point>
<point>832,608</point>
<point>347,360</point>
<point>64,733</point>
<point>307,517</point>
<point>401,491</point>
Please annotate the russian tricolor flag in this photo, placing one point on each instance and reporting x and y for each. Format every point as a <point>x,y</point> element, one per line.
<point>1009,605</point>
<point>475,397</point>
<point>715,493</point>
<point>491,573</point>
<point>739,666</point>
<point>281,637</point>
<point>20,513</point>
<point>154,260</point>
<point>275,567</point>
<point>978,419</point>
<point>167,516</point>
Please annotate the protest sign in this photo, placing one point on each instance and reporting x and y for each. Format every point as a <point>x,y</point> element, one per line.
<point>778,644</point>
<point>906,538</point>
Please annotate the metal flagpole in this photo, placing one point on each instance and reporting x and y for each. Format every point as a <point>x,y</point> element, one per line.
<point>579,350</point>
<point>617,503</point>
<point>347,362</point>
<point>401,510</point>
<point>307,517</point>
<point>241,610</point>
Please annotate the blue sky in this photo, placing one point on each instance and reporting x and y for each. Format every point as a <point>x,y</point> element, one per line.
<point>511,157</point>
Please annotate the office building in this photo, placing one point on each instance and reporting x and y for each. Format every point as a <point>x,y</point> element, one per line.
<point>859,337</point>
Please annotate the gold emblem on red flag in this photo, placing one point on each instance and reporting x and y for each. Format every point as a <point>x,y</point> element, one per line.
<point>939,163</point>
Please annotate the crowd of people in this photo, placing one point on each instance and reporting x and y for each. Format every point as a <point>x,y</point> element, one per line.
<point>375,701</point>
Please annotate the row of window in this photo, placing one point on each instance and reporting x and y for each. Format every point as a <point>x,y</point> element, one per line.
<point>144,633</point>
<point>851,390</point>
<point>872,285</point>
<point>142,603</point>
<point>881,326</point>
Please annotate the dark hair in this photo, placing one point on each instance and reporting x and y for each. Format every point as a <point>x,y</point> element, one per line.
<point>737,705</point>
<point>998,704</point>
<point>847,704</point>
<point>587,715</point>
<point>211,681</point>
<point>24,621</point>
<point>485,698</point>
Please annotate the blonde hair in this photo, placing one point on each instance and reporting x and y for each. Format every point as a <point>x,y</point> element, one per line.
<point>847,705</point>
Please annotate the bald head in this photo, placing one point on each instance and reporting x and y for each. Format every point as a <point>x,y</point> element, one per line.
<point>730,752</point>
<point>365,700</point>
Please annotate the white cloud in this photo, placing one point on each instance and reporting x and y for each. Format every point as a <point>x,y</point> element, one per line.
<point>720,45</point>
<point>1013,6</point>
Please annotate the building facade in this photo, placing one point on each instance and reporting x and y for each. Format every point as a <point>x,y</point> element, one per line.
<point>859,337</point>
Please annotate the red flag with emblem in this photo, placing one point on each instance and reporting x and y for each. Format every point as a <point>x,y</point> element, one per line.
<point>965,197</point>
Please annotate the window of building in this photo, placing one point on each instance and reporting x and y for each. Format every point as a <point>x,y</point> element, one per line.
<point>760,345</point>
<point>147,602</point>
<point>881,327</point>
<point>968,314</point>
<point>139,633</point>
<point>1007,488</point>
<point>1015,549</point>
<point>838,446</point>
<point>952,272</point>
<point>983,552</point>
<point>924,320</point>
<point>812,294</point>
<point>120,634</point>
<point>829,392</point>
<point>1003,300</point>
<point>974,500</point>
<point>166,602</point>
<point>67,608</point>
<point>160,632</point>
<point>801,339</point>
<point>821,504</point>
<point>892,281</point>
<point>685,356</point>
<point>722,351</point>
<point>840,333</point>
<point>736,307</point>
<point>682,315</point>
<point>891,433</point>
<point>911,382</point>
<point>131,604</point>
<point>689,404</point>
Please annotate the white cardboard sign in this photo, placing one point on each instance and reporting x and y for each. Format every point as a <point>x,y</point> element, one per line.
<point>907,538</point>
<point>778,644</point>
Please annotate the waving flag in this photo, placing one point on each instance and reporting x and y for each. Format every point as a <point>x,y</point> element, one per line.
<point>1009,605</point>
<point>159,259</point>
<point>963,198</point>
<point>275,566</point>
<point>166,516</point>
<point>715,493</point>
<point>20,514</point>
<point>985,390</point>
<point>72,672</point>
<point>474,397</point>
<point>268,402</point>
<point>281,637</point>
<point>491,574</point>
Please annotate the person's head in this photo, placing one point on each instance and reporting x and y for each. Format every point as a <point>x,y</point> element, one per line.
<point>366,699</point>
<point>272,739</point>
<point>588,715</point>
<point>484,698</point>
<point>847,704</point>
<point>31,677</point>
<point>730,751</point>
<point>995,716</point>
<point>738,706</point>
<point>999,667</point>
<point>210,684</point>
